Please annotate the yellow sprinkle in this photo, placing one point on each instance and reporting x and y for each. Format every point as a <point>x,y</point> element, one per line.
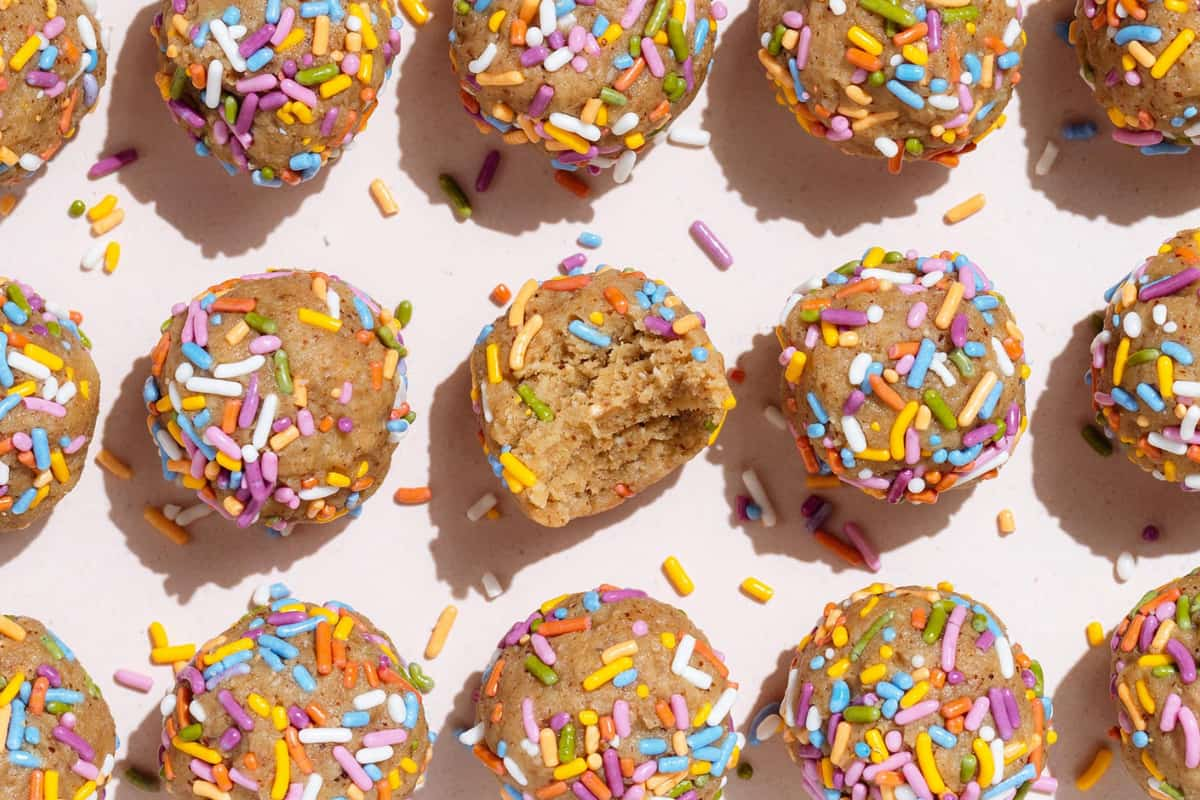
<point>171,655</point>
<point>758,590</point>
<point>861,39</point>
<point>678,576</point>
<point>493,363</point>
<point>319,320</point>
<point>521,472</point>
<point>874,257</point>
<point>873,674</point>
<point>383,198</point>
<point>10,628</point>
<point>259,705</point>
<point>50,785</point>
<point>239,646</point>
<point>795,367</point>
<point>606,673</point>
<point>570,770</point>
<point>928,765</point>
<point>900,427</point>
<point>196,750</point>
<point>1173,51</point>
<point>984,755</point>
<point>85,791</point>
<point>43,356</point>
<point>618,651</point>
<point>26,52</point>
<point>914,695</point>
<point>840,636</point>
<point>12,689</point>
<point>283,771</point>
<point>441,631</point>
<point>112,257</point>
<point>969,207</point>
<point>1095,771</point>
<point>1095,634</point>
<point>103,208</point>
<point>108,223</point>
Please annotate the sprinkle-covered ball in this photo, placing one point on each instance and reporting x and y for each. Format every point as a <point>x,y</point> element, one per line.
<point>591,83</point>
<point>48,411</point>
<point>279,397</point>
<point>1144,383</point>
<point>592,388</point>
<point>55,66</point>
<point>903,375</point>
<point>898,80</point>
<point>1142,68</point>
<point>1154,689</point>
<point>297,700</point>
<point>58,732</point>
<point>606,694</point>
<point>274,88</point>
<point>920,690</point>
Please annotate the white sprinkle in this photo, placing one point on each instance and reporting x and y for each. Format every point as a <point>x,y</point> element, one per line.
<point>30,162</point>
<point>886,147</point>
<point>201,385</point>
<point>1186,388</point>
<point>515,772</point>
<point>1187,427</point>
<point>49,388</point>
<point>771,725</point>
<point>197,711</point>
<point>375,697</point>
<point>698,678</point>
<point>397,711</point>
<point>938,367</point>
<point>838,7</point>
<point>166,706</point>
<point>874,314</point>
<point>944,102</point>
<point>1046,161</point>
<point>94,256</point>
<point>1004,654</point>
<point>87,33</point>
<point>812,722</point>
<point>262,596</point>
<point>1131,323</point>
<point>312,787</point>
<point>19,361</point>
<point>625,123</point>
<point>266,416</point>
<point>723,706</point>
<point>1006,365</point>
<point>1012,32</point>
<point>333,304</point>
<point>168,445</point>
<point>236,369</point>
<point>575,125</point>
<point>558,59</point>
<point>319,492</point>
<point>683,653</point>
<point>184,372</point>
<point>491,586</point>
<point>775,417</point>
<point>212,88</point>
<point>1156,439</point>
<point>1125,566</point>
<point>534,37</point>
<point>193,513</point>
<point>858,368</point>
<point>484,61</point>
<point>373,755</point>
<point>788,706</point>
<point>690,137</point>
<point>624,166</point>
<point>547,17</point>
<point>889,275</point>
<point>66,393</point>
<point>1159,314</point>
<point>325,735</point>
<point>481,507</point>
<point>471,736</point>
<point>759,495</point>
<point>856,440</point>
<point>224,38</point>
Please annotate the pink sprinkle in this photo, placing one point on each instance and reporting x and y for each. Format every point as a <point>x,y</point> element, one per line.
<point>640,628</point>
<point>133,680</point>
<point>859,540</point>
<point>110,164</point>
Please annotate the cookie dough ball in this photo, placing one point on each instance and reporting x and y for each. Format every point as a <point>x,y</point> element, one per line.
<point>592,388</point>
<point>51,397</point>
<point>1154,689</point>
<point>1145,384</point>
<point>275,89</point>
<point>55,68</point>
<point>903,375</point>
<point>279,397</point>
<point>297,698</point>
<point>57,725</point>
<point>1142,70</point>
<point>922,684</point>
<point>609,693</point>
<point>592,83</point>
<point>896,80</point>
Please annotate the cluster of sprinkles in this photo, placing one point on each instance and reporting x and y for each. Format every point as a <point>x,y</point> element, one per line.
<point>1151,40</point>
<point>652,306</point>
<point>651,59</point>
<point>105,216</point>
<point>1141,365</point>
<point>306,72</point>
<point>899,708</point>
<point>1153,669</point>
<point>223,428</point>
<point>39,340</point>
<point>922,65</point>
<point>49,79</point>
<point>644,741</point>
<point>929,446</point>
<point>242,738</point>
<point>40,708</point>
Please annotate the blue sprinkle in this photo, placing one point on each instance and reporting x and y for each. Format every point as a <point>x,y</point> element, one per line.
<point>656,747</point>
<point>304,678</point>
<point>355,719</point>
<point>1123,399</point>
<point>590,240</point>
<point>910,73</point>
<point>589,334</point>
<point>819,410</point>
<point>1150,396</point>
<point>1178,352</point>
<point>625,678</point>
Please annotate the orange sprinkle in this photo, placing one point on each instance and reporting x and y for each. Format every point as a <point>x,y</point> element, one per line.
<point>500,295</point>
<point>324,645</point>
<point>557,627</point>
<point>616,299</point>
<point>572,183</point>
<point>567,284</point>
<point>413,496</point>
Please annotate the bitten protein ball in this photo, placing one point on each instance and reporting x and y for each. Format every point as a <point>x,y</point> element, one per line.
<point>592,388</point>
<point>1142,69</point>
<point>278,88</point>
<point>48,412</point>
<point>606,694</point>
<point>59,733</point>
<point>903,375</point>
<point>55,68</point>
<point>900,80</point>
<point>297,700</point>
<point>279,397</point>
<point>592,83</point>
<point>919,690</point>
<point>1154,689</point>
<point>1144,382</point>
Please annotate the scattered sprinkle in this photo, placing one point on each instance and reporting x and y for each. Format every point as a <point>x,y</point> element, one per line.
<point>168,528</point>
<point>1097,440</point>
<point>1079,131</point>
<point>688,137</point>
<point>487,171</point>
<point>1005,522</point>
<point>131,679</point>
<point>412,496</point>
<point>456,196</point>
<point>1045,162</point>
<point>967,208</point>
<point>500,295</point>
<point>116,466</point>
<point>110,164</point>
<point>711,245</point>
<point>759,495</point>
<point>573,183</point>
<point>441,630</point>
<point>1095,634</point>
<point>481,507</point>
<point>76,209</point>
<point>1125,566</point>
<point>1095,771</point>
<point>491,586</point>
<point>383,198</point>
<point>678,576</point>
<point>757,590</point>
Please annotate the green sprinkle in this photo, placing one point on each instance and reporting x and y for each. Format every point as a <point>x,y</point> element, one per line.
<point>1164,671</point>
<point>861,714</point>
<point>192,732</point>
<point>912,145</point>
<point>1142,356</point>
<point>52,647</point>
<point>260,323</point>
<point>848,268</point>
<point>388,337</point>
<point>417,677</point>
<point>84,340</point>
<point>1183,613</point>
<point>678,791</point>
<point>979,623</point>
<point>403,313</point>
<point>140,780</point>
<point>674,86</point>
<point>283,372</point>
<point>1097,440</point>
<point>566,743</point>
<point>57,707</point>
<point>892,13</point>
<point>963,362</point>
<point>776,43</point>
<point>612,97</point>
<point>540,409</point>
<point>76,209</point>
<point>1170,790</point>
<point>936,624</point>
<point>882,621</point>
<point>231,110</point>
<point>268,173</point>
<point>809,315</point>
<point>657,18</point>
<point>960,14</point>
<point>178,82</point>
<point>541,671</point>
<point>462,7</point>
<point>941,411</point>
<point>17,296</point>
<point>314,75</point>
<point>456,196</point>
<point>967,768</point>
<point>677,40</point>
<point>745,771</point>
<point>893,257</point>
<point>1023,791</point>
<point>635,47</point>
<point>877,78</point>
<point>1039,685</point>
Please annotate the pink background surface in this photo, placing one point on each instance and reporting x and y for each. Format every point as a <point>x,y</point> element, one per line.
<point>787,208</point>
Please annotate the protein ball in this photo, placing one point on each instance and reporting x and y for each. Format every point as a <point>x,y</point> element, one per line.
<point>55,68</point>
<point>901,81</point>
<point>592,388</point>
<point>297,699</point>
<point>903,375</point>
<point>593,83</point>
<point>1141,69</point>
<point>48,412</point>
<point>275,89</point>
<point>279,397</point>
<point>920,690</point>
<point>1154,689</point>
<point>606,694</point>
<point>58,730</point>
<point>1143,382</point>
